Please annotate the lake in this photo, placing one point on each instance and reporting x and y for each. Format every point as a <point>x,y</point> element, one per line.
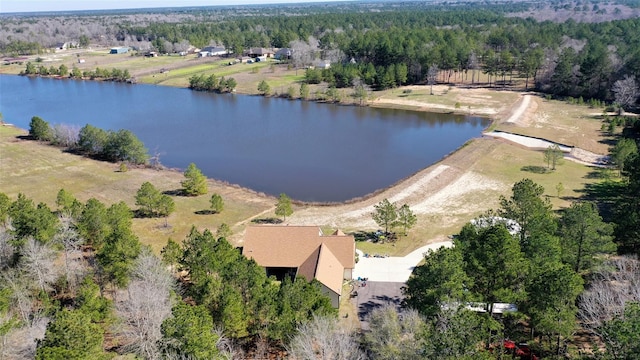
<point>308,150</point>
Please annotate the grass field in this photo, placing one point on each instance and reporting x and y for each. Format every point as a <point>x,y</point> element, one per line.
<point>39,171</point>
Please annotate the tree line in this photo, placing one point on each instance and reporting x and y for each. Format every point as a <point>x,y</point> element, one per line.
<point>399,44</point>
<point>212,83</point>
<point>75,73</point>
<point>115,146</point>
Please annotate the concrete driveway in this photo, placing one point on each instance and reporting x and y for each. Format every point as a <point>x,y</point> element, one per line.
<point>385,278</point>
<point>392,269</point>
<point>374,295</point>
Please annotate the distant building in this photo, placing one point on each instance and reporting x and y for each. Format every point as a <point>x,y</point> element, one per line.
<point>119,50</point>
<point>322,64</point>
<point>256,52</point>
<point>283,54</point>
<point>213,51</point>
<point>66,45</point>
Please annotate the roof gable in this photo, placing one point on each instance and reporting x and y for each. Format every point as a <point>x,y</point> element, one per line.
<point>291,246</point>
<point>329,270</point>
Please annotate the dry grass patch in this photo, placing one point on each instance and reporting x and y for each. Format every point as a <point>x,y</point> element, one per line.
<point>446,98</point>
<point>508,163</point>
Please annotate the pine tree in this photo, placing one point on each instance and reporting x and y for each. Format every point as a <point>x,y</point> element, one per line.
<point>217,203</point>
<point>195,183</point>
<point>385,214</point>
<point>283,207</point>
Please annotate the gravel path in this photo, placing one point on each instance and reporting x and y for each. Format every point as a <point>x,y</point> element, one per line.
<point>516,116</point>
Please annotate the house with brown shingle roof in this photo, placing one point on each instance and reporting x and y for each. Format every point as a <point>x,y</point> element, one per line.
<point>260,52</point>
<point>303,251</point>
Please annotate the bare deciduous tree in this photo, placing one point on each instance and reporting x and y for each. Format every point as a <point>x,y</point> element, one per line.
<point>473,64</point>
<point>303,53</point>
<point>616,283</point>
<point>65,135</point>
<point>182,45</point>
<point>38,262</point>
<point>70,240</point>
<point>432,75</point>
<point>6,248</point>
<point>147,305</point>
<point>393,336</point>
<point>22,342</point>
<point>21,300</point>
<point>626,91</point>
<point>324,338</point>
<point>334,55</point>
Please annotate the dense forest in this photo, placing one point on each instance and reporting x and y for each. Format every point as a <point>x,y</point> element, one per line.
<point>77,278</point>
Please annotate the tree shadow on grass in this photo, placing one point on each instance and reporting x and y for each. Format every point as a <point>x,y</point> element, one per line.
<point>606,194</point>
<point>535,169</point>
<point>205,212</point>
<point>364,235</point>
<point>142,214</point>
<point>269,220</point>
<point>176,192</point>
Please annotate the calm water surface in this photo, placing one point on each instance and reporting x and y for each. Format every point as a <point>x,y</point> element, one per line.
<point>310,151</point>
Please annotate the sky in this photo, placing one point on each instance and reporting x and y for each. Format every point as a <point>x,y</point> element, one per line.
<point>7,6</point>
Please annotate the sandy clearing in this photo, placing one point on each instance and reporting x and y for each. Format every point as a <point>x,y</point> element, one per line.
<point>451,199</point>
<point>426,106</point>
<point>412,190</point>
<point>571,153</point>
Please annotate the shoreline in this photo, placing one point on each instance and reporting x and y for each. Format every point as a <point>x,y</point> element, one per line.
<point>303,203</point>
<point>360,199</point>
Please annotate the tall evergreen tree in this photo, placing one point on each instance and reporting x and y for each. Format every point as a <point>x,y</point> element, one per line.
<point>189,332</point>
<point>283,206</point>
<point>494,262</point>
<point>529,210</point>
<point>584,236</point>
<point>195,182</point>
<point>440,281</point>
<point>39,129</point>
<point>385,214</point>
<point>71,335</point>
